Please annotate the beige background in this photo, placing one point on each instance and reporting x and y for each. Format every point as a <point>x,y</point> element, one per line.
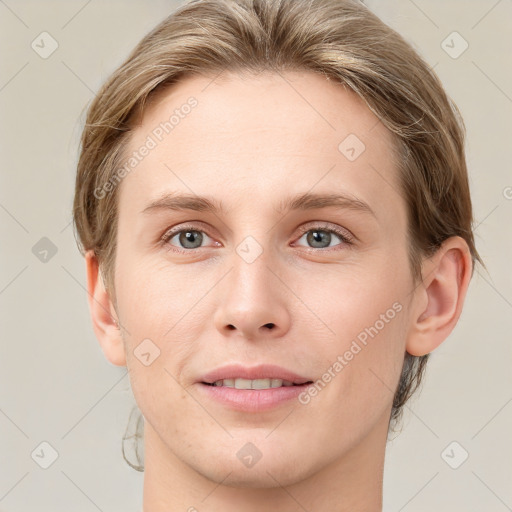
<point>56,385</point>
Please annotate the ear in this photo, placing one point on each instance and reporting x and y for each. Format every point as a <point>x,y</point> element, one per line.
<point>440,297</point>
<point>103,315</point>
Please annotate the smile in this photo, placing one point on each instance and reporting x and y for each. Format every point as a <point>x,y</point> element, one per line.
<point>240,383</point>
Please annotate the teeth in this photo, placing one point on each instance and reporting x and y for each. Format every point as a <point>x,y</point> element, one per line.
<point>253,384</point>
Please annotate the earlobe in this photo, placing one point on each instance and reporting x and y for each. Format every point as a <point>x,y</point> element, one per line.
<point>445,283</point>
<point>103,314</point>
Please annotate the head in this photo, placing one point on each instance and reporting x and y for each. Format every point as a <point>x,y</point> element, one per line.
<point>259,103</point>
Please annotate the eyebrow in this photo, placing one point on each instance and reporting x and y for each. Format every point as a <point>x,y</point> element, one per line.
<point>304,202</point>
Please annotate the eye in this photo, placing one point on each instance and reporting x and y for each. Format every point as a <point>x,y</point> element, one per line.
<point>320,237</point>
<point>188,238</point>
<point>185,239</point>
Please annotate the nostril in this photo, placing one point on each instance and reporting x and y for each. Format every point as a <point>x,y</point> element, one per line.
<point>270,326</point>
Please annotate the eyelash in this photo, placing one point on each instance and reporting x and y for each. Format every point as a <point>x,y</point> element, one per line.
<point>169,234</point>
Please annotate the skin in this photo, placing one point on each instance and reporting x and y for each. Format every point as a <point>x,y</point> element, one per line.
<point>251,142</point>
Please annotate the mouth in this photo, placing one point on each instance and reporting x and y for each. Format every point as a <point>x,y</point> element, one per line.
<point>255,384</point>
<point>263,376</point>
<point>252,388</point>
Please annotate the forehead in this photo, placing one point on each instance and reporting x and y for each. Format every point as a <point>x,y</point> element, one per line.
<point>239,137</point>
<point>304,104</point>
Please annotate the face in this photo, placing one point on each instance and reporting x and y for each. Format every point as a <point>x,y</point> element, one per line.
<point>318,287</point>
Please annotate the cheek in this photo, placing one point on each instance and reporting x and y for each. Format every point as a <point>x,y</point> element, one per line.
<point>166,313</point>
<point>367,311</point>
<point>360,377</point>
<point>158,297</point>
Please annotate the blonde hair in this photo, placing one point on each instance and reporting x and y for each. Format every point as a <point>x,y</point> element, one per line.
<point>340,39</point>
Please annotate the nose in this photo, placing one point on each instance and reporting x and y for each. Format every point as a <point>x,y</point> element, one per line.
<point>253,302</point>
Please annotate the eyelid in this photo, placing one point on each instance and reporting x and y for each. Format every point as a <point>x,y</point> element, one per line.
<point>183,226</point>
<point>346,236</point>
<point>191,226</point>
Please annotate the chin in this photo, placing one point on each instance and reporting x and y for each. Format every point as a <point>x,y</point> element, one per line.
<point>253,462</point>
<point>262,476</point>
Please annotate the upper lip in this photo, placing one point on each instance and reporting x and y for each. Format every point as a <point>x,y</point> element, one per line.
<point>262,371</point>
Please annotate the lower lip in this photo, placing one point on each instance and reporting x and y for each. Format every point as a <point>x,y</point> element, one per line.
<point>252,400</point>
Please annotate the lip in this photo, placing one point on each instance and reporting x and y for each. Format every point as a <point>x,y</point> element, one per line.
<point>262,371</point>
<point>252,400</point>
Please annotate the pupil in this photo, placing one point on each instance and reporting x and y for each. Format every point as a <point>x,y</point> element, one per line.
<point>190,237</point>
<point>315,237</point>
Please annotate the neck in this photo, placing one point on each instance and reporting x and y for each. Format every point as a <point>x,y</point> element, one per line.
<point>353,482</point>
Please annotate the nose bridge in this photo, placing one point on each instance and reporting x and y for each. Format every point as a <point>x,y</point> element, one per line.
<point>252,301</point>
<point>250,277</point>
<point>252,252</point>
